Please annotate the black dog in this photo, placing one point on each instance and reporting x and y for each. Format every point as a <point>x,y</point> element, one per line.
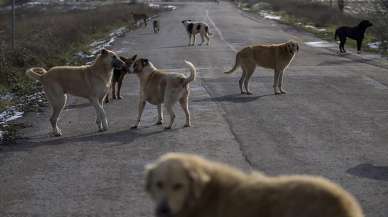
<point>118,77</point>
<point>356,33</point>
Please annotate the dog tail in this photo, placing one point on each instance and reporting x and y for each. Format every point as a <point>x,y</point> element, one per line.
<point>236,64</point>
<point>36,73</point>
<point>207,31</point>
<point>193,73</point>
<point>336,35</point>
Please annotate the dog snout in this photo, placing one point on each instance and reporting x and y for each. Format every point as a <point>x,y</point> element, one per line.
<point>163,209</point>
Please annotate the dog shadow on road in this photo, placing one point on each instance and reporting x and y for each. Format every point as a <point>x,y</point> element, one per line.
<point>370,171</point>
<point>118,138</point>
<point>234,98</point>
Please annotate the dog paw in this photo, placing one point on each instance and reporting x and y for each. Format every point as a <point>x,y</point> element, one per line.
<point>277,93</point>
<point>159,123</point>
<point>119,97</point>
<point>283,91</point>
<point>187,125</point>
<point>134,127</point>
<point>242,93</point>
<point>57,134</point>
<point>249,93</point>
<point>168,128</point>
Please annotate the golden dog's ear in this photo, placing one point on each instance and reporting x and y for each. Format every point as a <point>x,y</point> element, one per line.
<point>199,180</point>
<point>149,169</point>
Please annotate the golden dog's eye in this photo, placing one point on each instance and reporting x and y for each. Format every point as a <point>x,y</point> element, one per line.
<point>159,184</point>
<point>177,187</point>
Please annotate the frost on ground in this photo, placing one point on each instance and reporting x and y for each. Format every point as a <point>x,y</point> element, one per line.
<point>315,28</point>
<point>14,112</point>
<point>320,44</point>
<point>269,15</point>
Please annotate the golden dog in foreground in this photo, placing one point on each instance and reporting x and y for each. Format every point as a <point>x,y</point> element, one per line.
<point>274,56</point>
<point>184,185</point>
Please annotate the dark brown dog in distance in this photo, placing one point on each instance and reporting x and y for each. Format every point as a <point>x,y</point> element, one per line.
<point>118,77</point>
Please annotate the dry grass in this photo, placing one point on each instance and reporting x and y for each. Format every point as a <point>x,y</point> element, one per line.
<point>51,37</point>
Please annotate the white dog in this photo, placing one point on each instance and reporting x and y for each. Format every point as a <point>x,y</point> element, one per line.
<point>193,28</point>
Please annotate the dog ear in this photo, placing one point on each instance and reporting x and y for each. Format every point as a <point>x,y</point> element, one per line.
<point>199,180</point>
<point>149,170</point>
<point>104,51</point>
<point>297,47</point>
<point>134,57</point>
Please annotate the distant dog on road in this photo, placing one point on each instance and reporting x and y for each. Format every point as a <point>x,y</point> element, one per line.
<point>91,82</point>
<point>193,28</point>
<point>186,185</point>
<point>157,87</point>
<point>274,56</point>
<point>118,77</point>
<point>356,33</point>
<point>156,26</point>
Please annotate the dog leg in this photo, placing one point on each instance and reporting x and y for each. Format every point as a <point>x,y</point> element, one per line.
<point>194,35</point>
<point>141,109</point>
<point>249,73</point>
<point>241,81</point>
<point>185,106</point>
<point>114,90</point>
<point>170,111</point>
<point>208,39</point>
<point>359,42</point>
<point>275,81</point>
<point>280,83</point>
<point>248,68</point>
<point>57,102</point>
<point>190,35</point>
<point>119,89</point>
<point>202,39</point>
<point>160,115</point>
<point>101,121</point>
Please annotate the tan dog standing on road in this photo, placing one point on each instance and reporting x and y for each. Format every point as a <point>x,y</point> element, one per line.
<point>185,185</point>
<point>274,56</point>
<point>90,82</point>
<point>157,87</point>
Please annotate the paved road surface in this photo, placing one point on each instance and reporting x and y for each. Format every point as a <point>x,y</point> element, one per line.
<point>333,122</point>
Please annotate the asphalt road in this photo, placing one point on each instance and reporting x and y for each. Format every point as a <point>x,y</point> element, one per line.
<point>332,123</point>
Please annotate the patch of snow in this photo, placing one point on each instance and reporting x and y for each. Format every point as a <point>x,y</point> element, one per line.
<point>10,114</point>
<point>315,28</point>
<point>374,45</point>
<point>270,16</point>
<point>320,44</point>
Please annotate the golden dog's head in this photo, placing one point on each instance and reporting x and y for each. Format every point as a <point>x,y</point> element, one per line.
<point>174,182</point>
<point>111,59</point>
<point>292,47</point>
<point>141,65</point>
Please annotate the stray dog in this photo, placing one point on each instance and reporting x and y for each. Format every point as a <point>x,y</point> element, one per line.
<point>156,26</point>
<point>138,17</point>
<point>157,87</point>
<point>357,33</point>
<point>91,82</point>
<point>193,28</point>
<point>118,77</point>
<point>274,56</point>
<point>185,185</point>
